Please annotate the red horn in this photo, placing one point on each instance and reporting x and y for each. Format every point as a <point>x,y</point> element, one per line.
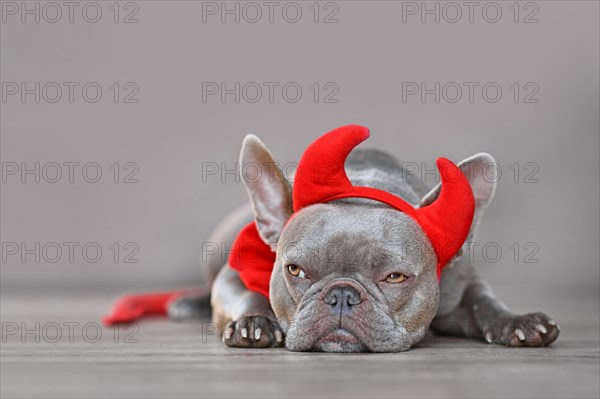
<point>447,221</point>
<point>321,177</point>
<point>320,174</point>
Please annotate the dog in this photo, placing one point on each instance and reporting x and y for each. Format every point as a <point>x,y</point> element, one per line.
<point>355,285</point>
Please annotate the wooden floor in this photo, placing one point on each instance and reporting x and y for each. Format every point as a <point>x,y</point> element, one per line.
<point>164,359</point>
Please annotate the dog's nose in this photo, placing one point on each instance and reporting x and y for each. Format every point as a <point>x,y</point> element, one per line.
<point>342,298</point>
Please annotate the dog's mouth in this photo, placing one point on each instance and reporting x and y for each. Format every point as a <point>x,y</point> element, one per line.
<point>339,340</point>
<point>340,335</point>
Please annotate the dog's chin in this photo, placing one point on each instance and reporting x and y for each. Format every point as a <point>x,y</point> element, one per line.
<point>339,340</point>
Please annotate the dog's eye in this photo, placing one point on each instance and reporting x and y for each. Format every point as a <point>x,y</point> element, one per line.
<point>395,278</point>
<point>296,271</point>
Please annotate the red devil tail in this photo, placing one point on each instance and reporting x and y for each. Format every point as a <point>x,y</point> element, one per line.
<point>130,308</point>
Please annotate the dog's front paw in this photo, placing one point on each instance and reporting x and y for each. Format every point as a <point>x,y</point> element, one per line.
<point>532,329</point>
<point>253,332</point>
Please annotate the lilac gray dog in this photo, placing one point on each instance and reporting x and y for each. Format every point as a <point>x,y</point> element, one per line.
<point>365,293</point>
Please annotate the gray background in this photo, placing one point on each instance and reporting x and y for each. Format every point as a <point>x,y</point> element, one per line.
<point>171,133</point>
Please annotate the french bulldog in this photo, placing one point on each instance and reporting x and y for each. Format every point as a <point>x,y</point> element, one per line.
<point>355,286</point>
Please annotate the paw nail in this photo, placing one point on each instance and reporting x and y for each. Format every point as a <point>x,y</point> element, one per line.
<point>557,327</point>
<point>552,323</point>
<point>542,329</point>
<point>244,333</point>
<point>228,334</point>
<point>257,334</point>
<point>278,336</point>
<point>488,337</point>
<point>520,334</point>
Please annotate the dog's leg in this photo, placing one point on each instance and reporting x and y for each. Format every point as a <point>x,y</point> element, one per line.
<point>190,307</point>
<point>481,315</point>
<point>195,305</point>
<point>247,317</point>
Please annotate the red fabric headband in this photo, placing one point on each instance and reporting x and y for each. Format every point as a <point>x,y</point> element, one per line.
<point>321,178</point>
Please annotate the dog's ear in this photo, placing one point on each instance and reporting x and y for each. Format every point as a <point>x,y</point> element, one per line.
<point>482,172</point>
<point>269,191</point>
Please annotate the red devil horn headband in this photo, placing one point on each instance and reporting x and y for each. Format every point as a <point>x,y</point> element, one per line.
<point>321,177</point>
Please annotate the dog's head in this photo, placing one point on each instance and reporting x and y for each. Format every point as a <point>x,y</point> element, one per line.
<point>351,275</point>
